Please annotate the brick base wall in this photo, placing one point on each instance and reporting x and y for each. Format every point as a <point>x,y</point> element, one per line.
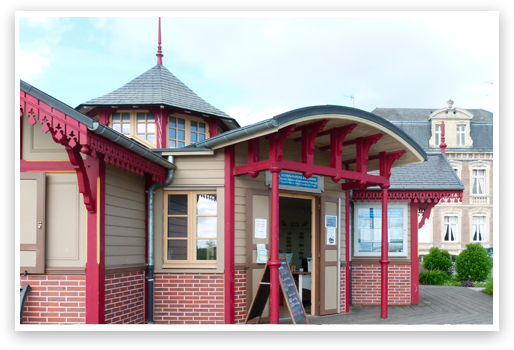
<point>124,297</point>
<point>55,299</point>
<point>240,296</point>
<point>342,284</point>
<point>188,298</point>
<point>366,284</point>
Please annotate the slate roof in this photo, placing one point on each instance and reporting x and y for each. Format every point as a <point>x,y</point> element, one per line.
<point>434,174</point>
<point>158,86</point>
<point>414,122</point>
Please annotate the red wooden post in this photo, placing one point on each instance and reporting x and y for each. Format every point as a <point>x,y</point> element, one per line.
<point>274,263</point>
<point>384,261</point>
<point>347,252</point>
<point>414,272</point>
<point>229,278</point>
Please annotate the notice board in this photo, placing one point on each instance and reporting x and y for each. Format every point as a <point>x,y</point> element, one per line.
<point>289,291</point>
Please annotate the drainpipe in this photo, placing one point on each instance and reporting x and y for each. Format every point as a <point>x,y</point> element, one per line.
<point>150,265</point>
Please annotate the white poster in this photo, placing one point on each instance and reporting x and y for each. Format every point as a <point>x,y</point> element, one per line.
<point>330,221</point>
<point>331,236</point>
<point>260,228</point>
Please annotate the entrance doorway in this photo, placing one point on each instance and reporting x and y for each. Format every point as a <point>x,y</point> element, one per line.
<point>296,232</point>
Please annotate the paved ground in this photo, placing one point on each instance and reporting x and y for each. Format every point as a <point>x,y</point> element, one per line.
<point>438,305</point>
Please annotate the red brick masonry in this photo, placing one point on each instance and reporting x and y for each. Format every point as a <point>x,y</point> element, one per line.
<point>124,298</point>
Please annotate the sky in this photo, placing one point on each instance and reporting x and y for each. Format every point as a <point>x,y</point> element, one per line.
<point>254,66</point>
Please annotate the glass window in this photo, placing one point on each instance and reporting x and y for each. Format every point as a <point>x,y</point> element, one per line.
<point>461,135</point>
<point>478,228</point>
<point>368,238</point>
<point>192,234</point>
<point>136,125</point>
<point>438,134</point>
<point>479,181</point>
<point>182,132</point>
<point>450,228</point>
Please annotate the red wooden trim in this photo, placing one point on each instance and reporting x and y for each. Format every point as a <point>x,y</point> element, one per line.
<point>82,177</point>
<point>337,137</point>
<point>276,142</point>
<point>384,261</point>
<point>414,272</point>
<point>387,160</point>
<point>443,144</point>
<point>273,262</point>
<point>409,196</point>
<point>254,155</point>
<point>95,264</point>
<point>426,213</point>
<point>363,144</point>
<point>308,137</point>
<point>46,166</point>
<point>229,288</point>
<point>347,251</point>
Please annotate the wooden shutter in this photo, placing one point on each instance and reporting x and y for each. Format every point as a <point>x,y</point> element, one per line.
<point>32,223</point>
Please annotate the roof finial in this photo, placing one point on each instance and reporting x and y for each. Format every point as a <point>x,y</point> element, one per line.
<point>159,52</point>
<point>443,144</point>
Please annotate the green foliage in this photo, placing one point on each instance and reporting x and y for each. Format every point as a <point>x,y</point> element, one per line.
<point>489,285</point>
<point>473,264</point>
<point>438,260</point>
<point>435,277</point>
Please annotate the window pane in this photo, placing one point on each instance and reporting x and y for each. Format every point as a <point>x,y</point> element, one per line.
<point>181,135</point>
<point>141,117</point>
<point>125,128</point>
<point>177,204</point>
<point>125,117</point>
<point>141,128</point>
<point>206,227</point>
<point>177,250</point>
<point>116,127</point>
<point>150,117</point>
<point>181,123</point>
<point>172,121</point>
<point>115,117</point>
<point>181,144</point>
<point>206,204</point>
<point>151,138</point>
<point>201,137</point>
<point>150,127</point>
<point>193,126</point>
<point>201,127</point>
<point>172,144</point>
<point>177,227</point>
<point>173,133</point>
<point>206,249</point>
<point>193,137</point>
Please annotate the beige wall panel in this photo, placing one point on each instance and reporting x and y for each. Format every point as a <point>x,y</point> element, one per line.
<point>124,218</point>
<point>28,206</point>
<point>28,258</point>
<point>331,255</point>
<point>199,174</point>
<point>66,222</point>
<point>330,286</point>
<point>40,146</point>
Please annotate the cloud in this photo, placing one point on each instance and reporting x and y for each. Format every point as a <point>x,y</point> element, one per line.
<point>35,61</point>
<point>246,117</point>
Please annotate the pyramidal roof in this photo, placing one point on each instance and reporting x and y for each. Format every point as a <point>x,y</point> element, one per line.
<point>157,86</point>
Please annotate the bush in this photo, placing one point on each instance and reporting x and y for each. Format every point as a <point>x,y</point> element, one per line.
<point>438,260</point>
<point>489,286</point>
<point>473,264</point>
<point>437,278</point>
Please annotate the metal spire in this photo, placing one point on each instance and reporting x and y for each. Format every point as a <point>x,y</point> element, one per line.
<point>159,52</point>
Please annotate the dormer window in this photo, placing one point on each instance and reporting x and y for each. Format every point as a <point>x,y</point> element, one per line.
<point>137,125</point>
<point>184,131</point>
<point>461,135</point>
<point>438,134</point>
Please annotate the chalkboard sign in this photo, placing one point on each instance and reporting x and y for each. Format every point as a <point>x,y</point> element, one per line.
<point>289,291</point>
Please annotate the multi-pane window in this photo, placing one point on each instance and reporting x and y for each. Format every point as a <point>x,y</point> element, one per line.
<point>138,125</point>
<point>438,134</point>
<point>182,132</point>
<point>450,228</point>
<point>145,126</point>
<point>191,228</point>
<point>478,228</point>
<point>369,230</point>
<point>478,182</point>
<point>461,135</point>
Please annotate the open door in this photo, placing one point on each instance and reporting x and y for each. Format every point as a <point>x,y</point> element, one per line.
<point>329,256</point>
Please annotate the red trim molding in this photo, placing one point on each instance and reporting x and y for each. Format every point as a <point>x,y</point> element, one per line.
<point>409,196</point>
<point>229,278</point>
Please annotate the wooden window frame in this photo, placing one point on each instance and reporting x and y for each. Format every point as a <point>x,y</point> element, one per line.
<point>187,129</point>
<point>461,135</point>
<point>192,261</point>
<point>456,232</point>
<point>133,134</point>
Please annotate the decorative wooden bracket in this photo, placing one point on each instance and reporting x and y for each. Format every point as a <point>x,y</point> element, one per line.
<point>363,144</point>
<point>309,134</point>
<point>82,177</point>
<point>426,212</point>
<point>387,160</point>
<point>337,136</point>
<point>254,155</point>
<point>277,140</point>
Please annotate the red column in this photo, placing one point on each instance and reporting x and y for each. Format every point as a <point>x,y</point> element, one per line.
<point>347,251</point>
<point>414,272</point>
<point>229,296</point>
<point>95,263</point>
<point>274,263</point>
<point>384,261</point>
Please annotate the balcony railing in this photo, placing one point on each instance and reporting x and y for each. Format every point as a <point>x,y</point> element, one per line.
<point>479,199</point>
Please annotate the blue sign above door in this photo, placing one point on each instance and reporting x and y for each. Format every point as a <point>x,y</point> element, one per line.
<point>297,182</point>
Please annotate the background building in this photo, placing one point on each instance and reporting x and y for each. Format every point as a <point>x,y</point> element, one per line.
<point>468,135</point>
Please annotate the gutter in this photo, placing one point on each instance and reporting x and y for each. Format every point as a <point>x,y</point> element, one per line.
<point>150,243</point>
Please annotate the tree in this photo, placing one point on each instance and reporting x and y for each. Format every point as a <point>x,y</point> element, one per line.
<point>438,260</point>
<point>473,264</point>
